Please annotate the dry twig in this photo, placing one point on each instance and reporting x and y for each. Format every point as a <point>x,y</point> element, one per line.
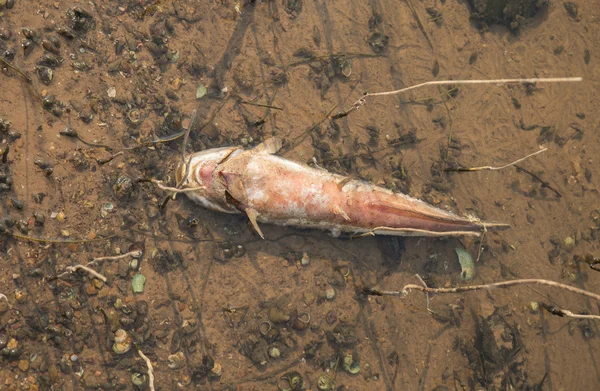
<point>554,310</point>
<point>492,168</point>
<point>92,272</point>
<point>362,101</point>
<point>504,284</point>
<point>134,254</point>
<point>175,189</point>
<point>150,369</point>
<point>540,180</point>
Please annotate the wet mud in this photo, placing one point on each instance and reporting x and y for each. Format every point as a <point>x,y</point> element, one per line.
<point>95,98</point>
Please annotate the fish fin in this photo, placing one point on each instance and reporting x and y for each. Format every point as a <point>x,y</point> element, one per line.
<point>438,214</point>
<point>232,201</point>
<point>270,146</point>
<point>339,211</point>
<point>252,215</point>
<point>228,154</point>
<point>343,183</point>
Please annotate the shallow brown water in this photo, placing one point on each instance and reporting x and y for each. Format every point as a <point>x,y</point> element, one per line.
<point>204,302</point>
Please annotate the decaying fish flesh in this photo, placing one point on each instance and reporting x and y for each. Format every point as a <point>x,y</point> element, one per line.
<point>274,190</point>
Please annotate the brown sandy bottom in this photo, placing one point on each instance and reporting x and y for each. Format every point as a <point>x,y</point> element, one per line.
<point>216,295</point>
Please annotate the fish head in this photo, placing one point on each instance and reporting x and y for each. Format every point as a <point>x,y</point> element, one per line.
<point>202,166</point>
<point>201,174</point>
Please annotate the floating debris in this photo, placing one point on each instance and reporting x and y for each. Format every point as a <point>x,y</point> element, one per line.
<point>466,264</point>
<point>137,283</point>
<point>200,91</point>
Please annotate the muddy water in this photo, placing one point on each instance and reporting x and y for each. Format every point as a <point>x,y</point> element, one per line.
<point>216,295</point>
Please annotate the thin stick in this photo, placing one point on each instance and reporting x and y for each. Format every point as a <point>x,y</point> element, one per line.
<point>579,316</point>
<point>63,241</point>
<point>537,178</point>
<point>150,369</point>
<point>134,254</point>
<point>109,159</point>
<point>260,105</point>
<point>477,81</point>
<point>160,185</point>
<point>19,71</point>
<point>491,168</point>
<point>73,269</point>
<point>363,101</point>
<point>554,310</point>
<point>468,288</point>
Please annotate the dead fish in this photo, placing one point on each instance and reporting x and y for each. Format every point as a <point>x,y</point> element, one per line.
<point>274,190</point>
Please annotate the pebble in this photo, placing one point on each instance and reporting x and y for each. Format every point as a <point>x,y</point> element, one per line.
<point>20,295</point>
<point>98,284</point>
<point>274,352</point>
<point>330,293</point>
<point>60,217</point>
<point>138,282</point>
<point>12,343</point>
<point>24,365</point>
<point>4,306</point>
<point>305,260</point>
<point>90,290</point>
<point>569,243</point>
